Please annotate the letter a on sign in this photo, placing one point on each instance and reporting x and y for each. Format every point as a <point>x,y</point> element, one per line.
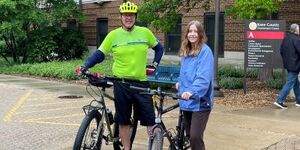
<point>250,36</point>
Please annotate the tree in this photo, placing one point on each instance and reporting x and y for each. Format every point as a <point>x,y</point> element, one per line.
<point>163,14</point>
<point>253,9</point>
<point>20,18</point>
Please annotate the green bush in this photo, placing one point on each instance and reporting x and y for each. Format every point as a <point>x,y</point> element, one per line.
<point>55,44</point>
<point>231,83</point>
<point>230,71</point>
<point>71,45</point>
<point>237,72</point>
<point>252,73</point>
<point>274,83</point>
<point>277,74</point>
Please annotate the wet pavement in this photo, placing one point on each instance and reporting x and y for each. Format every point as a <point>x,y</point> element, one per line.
<point>33,117</point>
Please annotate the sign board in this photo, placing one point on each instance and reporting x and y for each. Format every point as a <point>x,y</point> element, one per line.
<point>262,41</point>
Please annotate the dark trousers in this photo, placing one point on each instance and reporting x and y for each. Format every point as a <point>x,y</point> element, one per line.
<point>195,124</point>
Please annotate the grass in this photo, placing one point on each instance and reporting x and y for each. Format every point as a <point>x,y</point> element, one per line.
<point>64,70</point>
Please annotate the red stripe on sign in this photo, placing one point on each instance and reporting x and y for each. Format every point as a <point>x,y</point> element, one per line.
<point>265,35</point>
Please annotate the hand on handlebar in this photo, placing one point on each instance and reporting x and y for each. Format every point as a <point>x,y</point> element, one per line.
<point>81,70</point>
<point>186,95</point>
<point>150,69</point>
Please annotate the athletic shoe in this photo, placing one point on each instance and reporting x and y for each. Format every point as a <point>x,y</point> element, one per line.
<point>280,105</point>
<point>297,104</point>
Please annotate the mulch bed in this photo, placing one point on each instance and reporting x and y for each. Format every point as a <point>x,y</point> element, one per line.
<point>257,95</point>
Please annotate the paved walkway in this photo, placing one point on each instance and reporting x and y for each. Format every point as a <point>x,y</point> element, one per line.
<point>266,128</point>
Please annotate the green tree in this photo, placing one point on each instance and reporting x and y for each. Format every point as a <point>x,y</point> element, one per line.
<point>20,18</point>
<point>163,14</point>
<point>253,9</point>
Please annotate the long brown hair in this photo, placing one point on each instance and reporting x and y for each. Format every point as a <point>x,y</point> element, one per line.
<point>186,46</point>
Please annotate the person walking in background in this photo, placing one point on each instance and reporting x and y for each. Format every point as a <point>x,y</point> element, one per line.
<point>290,52</point>
<point>129,45</point>
<point>195,83</point>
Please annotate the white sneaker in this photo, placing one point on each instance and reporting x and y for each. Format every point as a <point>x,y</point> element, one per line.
<point>297,104</point>
<point>280,105</point>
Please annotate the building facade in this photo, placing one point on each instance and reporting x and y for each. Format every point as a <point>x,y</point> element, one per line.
<point>103,16</point>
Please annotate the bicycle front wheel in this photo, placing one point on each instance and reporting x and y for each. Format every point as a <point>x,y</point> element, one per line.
<point>156,142</point>
<point>86,138</point>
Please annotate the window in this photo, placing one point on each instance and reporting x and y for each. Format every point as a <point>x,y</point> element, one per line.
<point>71,24</point>
<point>102,30</point>
<point>173,39</point>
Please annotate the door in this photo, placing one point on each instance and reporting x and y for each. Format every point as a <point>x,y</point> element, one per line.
<point>209,25</point>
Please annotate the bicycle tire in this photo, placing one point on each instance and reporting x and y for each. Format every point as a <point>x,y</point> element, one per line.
<point>132,130</point>
<point>156,143</point>
<point>85,132</point>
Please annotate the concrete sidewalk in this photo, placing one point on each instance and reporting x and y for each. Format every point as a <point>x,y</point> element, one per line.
<point>266,128</point>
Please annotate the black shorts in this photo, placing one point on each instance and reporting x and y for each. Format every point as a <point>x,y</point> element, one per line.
<point>126,98</point>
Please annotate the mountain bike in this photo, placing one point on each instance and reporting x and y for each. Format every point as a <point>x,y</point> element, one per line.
<point>177,141</point>
<point>98,125</point>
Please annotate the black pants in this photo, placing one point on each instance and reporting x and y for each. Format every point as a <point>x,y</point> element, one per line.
<point>195,124</point>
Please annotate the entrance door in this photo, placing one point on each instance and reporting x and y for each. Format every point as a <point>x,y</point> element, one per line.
<point>209,25</point>
<point>102,30</point>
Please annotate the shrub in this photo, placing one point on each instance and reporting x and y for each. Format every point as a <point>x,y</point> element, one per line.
<point>231,83</point>
<point>230,71</point>
<point>252,73</point>
<point>237,72</point>
<point>274,83</point>
<point>55,44</point>
<point>71,45</point>
<point>277,74</point>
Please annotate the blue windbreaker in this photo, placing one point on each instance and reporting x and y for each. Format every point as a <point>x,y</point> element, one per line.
<point>197,76</point>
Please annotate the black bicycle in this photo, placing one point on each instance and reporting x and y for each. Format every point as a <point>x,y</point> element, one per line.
<point>179,141</point>
<point>98,125</point>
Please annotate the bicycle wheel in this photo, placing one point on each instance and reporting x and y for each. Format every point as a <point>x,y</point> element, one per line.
<point>132,132</point>
<point>156,143</point>
<point>86,136</point>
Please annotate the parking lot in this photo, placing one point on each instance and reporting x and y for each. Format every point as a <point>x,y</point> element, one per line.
<point>34,117</point>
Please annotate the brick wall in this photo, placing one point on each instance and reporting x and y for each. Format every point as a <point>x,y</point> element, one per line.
<point>233,29</point>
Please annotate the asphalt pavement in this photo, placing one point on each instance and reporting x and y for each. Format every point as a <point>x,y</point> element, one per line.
<point>35,115</point>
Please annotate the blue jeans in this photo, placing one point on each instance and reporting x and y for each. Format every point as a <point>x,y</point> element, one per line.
<point>292,82</point>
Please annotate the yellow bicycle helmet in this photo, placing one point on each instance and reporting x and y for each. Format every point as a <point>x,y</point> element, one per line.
<point>128,7</point>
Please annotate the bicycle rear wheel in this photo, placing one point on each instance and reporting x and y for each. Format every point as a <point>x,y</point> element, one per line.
<point>157,141</point>
<point>86,137</point>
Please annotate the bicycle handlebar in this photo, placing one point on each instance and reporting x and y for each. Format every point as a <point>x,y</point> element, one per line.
<point>157,91</point>
<point>96,79</point>
<point>104,81</point>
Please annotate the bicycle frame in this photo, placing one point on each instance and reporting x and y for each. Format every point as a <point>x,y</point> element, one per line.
<point>102,109</point>
<point>176,142</point>
<point>96,112</point>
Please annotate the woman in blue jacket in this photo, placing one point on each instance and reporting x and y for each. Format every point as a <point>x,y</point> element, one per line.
<point>195,83</point>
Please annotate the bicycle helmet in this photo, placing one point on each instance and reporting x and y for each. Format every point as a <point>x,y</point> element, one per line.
<point>128,7</point>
